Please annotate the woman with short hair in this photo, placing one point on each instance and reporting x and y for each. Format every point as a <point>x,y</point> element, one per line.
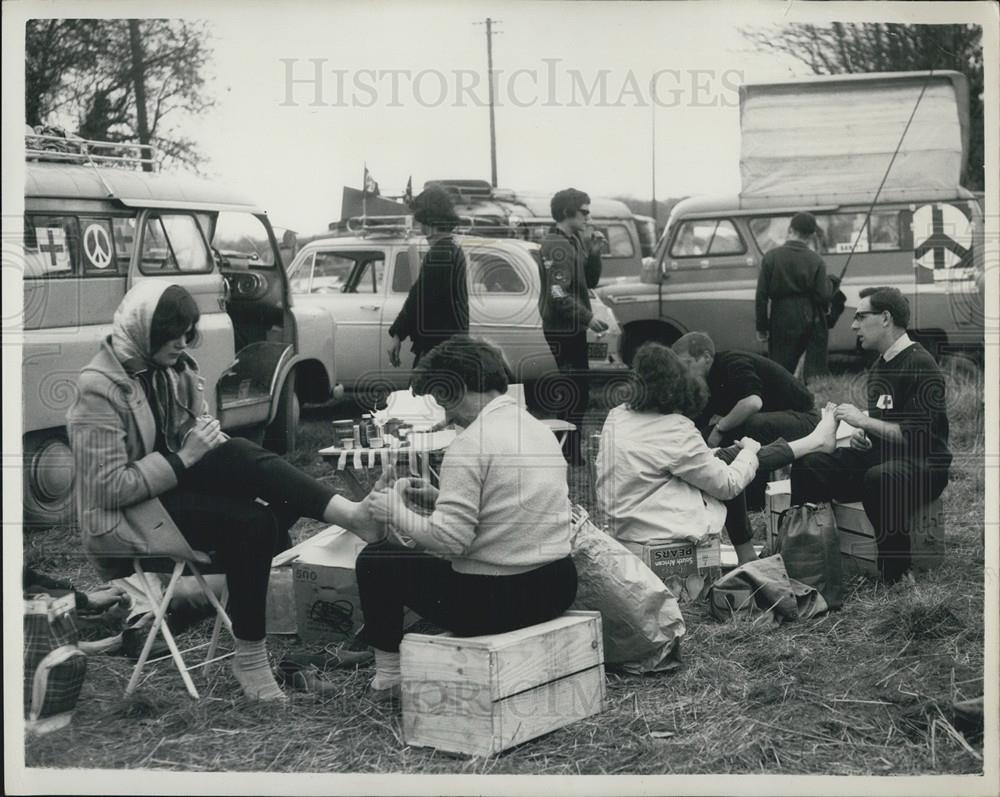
<point>497,541</point>
<point>142,435</point>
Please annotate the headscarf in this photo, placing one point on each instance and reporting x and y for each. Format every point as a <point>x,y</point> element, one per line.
<point>130,342</point>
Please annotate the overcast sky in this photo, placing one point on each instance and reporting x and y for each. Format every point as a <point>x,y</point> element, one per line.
<point>579,113</point>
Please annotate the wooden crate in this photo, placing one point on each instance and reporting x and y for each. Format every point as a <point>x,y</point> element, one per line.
<point>777,498</point>
<point>857,537</point>
<point>482,695</point>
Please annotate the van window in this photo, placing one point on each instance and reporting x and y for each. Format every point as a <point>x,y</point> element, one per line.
<point>243,236</point>
<point>172,242</point>
<point>839,233</point>
<point>330,273</point>
<point>51,246</point>
<point>401,279</point>
<point>97,250</point>
<point>124,229</point>
<point>700,237</point>
<point>619,241</point>
<point>299,282</point>
<point>372,276</point>
<point>887,230</point>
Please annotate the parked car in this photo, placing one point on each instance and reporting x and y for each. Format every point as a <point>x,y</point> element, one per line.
<point>362,280</point>
<point>90,233</point>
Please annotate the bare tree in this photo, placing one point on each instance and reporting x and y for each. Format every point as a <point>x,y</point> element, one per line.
<point>881,47</point>
<point>119,79</point>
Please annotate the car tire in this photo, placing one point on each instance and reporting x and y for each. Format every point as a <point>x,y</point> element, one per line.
<point>644,333</point>
<point>47,474</point>
<point>282,433</point>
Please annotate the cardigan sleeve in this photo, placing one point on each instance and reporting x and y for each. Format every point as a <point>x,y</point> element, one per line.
<point>690,459</point>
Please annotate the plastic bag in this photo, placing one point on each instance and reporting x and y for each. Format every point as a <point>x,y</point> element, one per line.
<point>54,666</point>
<point>640,617</point>
<point>809,543</point>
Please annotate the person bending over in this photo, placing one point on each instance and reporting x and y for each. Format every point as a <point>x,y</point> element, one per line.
<point>141,434</point>
<point>657,478</point>
<point>497,541</point>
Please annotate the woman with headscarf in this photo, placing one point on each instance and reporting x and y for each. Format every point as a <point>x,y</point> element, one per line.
<point>142,436</point>
<point>437,306</point>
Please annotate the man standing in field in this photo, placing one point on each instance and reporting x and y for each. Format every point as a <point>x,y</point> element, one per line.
<point>572,265</point>
<point>793,280</point>
<point>899,456</point>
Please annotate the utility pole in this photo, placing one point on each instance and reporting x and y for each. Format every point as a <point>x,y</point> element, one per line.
<point>493,131</point>
<point>652,201</point>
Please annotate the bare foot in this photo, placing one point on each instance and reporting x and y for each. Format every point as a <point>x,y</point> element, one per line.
<point>826,430</point>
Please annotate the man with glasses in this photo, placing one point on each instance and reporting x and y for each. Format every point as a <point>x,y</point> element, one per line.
<point>898,459</point>
<point>572,265</point>
<point>793,280</point>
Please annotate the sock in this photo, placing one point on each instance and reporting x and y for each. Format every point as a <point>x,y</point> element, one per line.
<point>387,672</point>
<point>253,671</point>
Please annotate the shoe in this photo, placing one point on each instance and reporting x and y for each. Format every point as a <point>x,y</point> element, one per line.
<point>134,638</point>
<point>390,696</point>
<point>306,679</point>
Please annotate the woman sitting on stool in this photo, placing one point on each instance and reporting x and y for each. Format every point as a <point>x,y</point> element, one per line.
<point>657,479</point>
<point>141,433</point>
<point>498,540</point>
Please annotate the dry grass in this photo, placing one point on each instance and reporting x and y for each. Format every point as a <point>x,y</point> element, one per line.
<point>866,690</point>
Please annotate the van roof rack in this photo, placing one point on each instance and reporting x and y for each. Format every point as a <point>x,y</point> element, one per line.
<point>477,189</point>
<point>380,225</point>
<point>44,147</point>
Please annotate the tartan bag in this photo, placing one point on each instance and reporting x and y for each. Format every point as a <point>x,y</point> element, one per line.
<point>54,667</point>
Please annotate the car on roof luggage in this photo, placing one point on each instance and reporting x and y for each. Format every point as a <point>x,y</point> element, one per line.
<point>97,222</point>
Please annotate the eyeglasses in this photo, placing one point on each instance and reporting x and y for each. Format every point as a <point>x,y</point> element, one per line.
<point>864,314</point>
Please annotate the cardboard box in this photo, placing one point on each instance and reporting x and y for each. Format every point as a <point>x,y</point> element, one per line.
<point>777,498</point>
<point>327,605</point>
<point>859,550</point>
<point>674,562</point>
<point>482,695</point>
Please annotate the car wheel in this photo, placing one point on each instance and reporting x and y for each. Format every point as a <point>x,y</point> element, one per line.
<point>282,433</point>
<point>637,335</point>
<point>48,480</point>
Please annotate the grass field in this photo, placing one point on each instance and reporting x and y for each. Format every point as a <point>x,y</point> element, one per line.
<point>866,690</point>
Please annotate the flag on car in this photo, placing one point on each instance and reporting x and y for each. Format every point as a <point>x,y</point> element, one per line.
<point>370,186</point>
<point>408,194</point>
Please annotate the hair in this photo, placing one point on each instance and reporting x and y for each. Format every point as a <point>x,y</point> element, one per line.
<point>884,298</point>
<point>567,202</point>
<point>433,207</point>
<point>660,382</point>
<point>804,224</point>
<point>460,364</point>
<point>694,344</point>
<point>176,314</point>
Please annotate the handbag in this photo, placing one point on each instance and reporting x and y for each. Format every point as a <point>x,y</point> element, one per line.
<point>54,665</point>
<point>809,544</point>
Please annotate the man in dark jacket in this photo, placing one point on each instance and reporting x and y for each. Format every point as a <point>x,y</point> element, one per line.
<point>793,279</point>
<point>437,306</point>
<point>571,262</point>
<point>899,456</point>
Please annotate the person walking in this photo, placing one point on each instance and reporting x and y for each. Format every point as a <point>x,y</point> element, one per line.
<point>571,262</point>
<point>793,293</point>
<point>437,306</point>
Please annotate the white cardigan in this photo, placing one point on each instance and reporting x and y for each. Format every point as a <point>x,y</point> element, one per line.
<point>657,479</point>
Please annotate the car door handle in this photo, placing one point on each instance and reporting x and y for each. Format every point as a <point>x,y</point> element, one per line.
<point>370,306</point>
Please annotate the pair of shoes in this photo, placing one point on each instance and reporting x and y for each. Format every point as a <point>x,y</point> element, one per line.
<point>305,679</point>
<point>332,658</point>
<point>134,638</point>
<point>390,696</point>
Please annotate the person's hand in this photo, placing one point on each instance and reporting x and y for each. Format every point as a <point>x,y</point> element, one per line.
<point>860,441</point>
<point>105,597</point>
<point>365,524</point>
<point>762,337</point>
<point>386,479</point>
<point>205,435</point>
<point>420,492</point>
<point>598,326</point>
<point>393,351</point>
<point>749,444</point>
<point>850,414</point>
<point>714,438</point>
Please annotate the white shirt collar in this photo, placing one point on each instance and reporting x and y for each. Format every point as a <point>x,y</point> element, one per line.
<point>901,343</point>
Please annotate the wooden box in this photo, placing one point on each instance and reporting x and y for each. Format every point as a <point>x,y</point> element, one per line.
<point>482,695</point>
<point>777,498</point>
<point>857,537</point>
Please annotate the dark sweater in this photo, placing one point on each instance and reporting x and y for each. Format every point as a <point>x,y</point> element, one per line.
<point>437,306</point>
<point>909,390</point>
<point>570,269</point>
<point>734,375</point>
<point>791,270</point>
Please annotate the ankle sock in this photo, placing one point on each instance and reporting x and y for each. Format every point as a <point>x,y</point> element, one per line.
<point>253,671</point>
<point>387,672</point>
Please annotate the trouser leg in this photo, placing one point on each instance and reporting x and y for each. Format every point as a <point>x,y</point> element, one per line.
<point>826,477</point>
<point>242,535</point>
<point>767,427</point>
<point>570,353</point>
<point>772,456</point>
<point>242,469</point>
<point>817,345</point>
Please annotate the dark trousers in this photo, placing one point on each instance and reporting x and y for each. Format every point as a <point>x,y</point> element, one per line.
<point>391,577</point>
<point>891,491</point>
<point>796,326</point>
<point>765,428</point>
<point>568,399</point>
<point>215,509</point>
<point>770,457</point>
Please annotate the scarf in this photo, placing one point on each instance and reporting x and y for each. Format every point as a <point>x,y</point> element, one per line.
<point>131,345</point>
